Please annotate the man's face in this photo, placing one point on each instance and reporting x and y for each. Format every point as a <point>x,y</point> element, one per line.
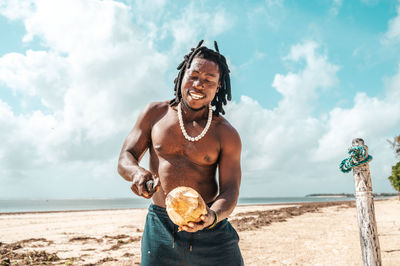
<point>200,83</point>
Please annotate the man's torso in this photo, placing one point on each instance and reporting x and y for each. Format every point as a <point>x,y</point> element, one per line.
<point>180,162</point>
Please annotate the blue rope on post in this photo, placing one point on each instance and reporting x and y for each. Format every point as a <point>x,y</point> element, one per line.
<point>358,156</point>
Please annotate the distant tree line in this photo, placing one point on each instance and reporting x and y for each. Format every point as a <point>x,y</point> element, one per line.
<point>349,195</point>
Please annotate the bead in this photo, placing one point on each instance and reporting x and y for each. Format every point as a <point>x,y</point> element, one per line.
<point>203,133</point>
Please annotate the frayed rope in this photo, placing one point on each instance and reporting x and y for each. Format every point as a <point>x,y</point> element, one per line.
<point>358,156</point>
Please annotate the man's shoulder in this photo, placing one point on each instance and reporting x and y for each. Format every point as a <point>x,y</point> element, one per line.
<point>154,109</point>
<point>228,134</point>
<point>153,112</point>
<point>157,106</point>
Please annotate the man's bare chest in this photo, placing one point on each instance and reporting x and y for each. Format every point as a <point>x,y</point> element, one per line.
<point>168,141</point>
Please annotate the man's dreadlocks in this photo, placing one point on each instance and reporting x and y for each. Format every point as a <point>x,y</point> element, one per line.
<point>224,91</point>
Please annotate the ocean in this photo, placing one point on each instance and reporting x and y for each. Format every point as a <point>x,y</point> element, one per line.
<point>34,205</point>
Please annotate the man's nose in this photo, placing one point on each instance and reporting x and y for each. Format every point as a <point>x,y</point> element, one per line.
<point>198,84</point>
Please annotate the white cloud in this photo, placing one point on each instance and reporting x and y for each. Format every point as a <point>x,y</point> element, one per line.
<point>16,9</point>
<point>25,141</point>
<point>38,73</point>
<point>392,35</point>
<point>99,69</point>
<point>273,138</point>
<point>288,145</point>
<point>393,87</point>
<point>208,25</point>
<point>369,117</point>
<point>97,74</point>
<point>299,90</point>
<point>270,13</point>
<point>335,8</point>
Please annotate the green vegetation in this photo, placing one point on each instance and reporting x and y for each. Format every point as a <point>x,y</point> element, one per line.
<point>395,177</point>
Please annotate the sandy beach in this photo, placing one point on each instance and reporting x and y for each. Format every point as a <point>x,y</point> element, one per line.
<point>323,233</point>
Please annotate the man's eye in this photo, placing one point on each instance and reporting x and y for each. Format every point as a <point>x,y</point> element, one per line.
<point>193,78</point>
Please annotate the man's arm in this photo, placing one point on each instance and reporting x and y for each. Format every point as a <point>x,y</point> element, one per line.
<point>229,180</point>
<point>229,174</point>
<point>133,149</point>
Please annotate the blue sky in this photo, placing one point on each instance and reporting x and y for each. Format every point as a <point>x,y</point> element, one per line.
<point>307,78</point>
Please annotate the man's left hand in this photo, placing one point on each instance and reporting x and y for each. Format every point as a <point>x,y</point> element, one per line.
<point>206,220</point>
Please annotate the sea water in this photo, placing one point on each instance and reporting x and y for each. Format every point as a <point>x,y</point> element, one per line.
<point>35,205</point>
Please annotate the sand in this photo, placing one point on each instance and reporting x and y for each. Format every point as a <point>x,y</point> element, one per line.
<point>296,234</point>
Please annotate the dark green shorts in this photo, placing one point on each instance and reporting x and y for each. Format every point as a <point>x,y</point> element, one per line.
<point>162,244</point>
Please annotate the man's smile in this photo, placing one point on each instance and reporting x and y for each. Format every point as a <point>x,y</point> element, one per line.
<point>196,95</point>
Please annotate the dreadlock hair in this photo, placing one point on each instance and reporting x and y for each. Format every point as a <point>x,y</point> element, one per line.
<point>224,91</point>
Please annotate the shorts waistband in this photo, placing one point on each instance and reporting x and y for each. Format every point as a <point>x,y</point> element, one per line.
<point>158,210</point>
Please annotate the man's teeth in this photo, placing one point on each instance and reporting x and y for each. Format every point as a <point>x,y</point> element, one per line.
<point>196,96</point>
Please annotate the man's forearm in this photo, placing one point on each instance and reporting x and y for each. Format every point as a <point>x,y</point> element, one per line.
<point>128,165</point>
<point>225,203</point>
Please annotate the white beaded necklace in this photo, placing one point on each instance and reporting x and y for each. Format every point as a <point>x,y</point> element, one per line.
<point>185,134</point>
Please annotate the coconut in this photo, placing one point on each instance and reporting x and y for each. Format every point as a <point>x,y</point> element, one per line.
<point>184,205</point>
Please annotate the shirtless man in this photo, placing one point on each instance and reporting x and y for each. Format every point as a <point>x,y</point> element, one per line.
<point>188,141</point>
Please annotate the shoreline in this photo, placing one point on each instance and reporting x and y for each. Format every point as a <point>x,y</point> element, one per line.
<point>123,209</point>
<point>310,200</point>
<point>239,205</point>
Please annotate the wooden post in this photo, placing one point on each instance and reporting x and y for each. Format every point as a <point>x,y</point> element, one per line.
<point>371,253</point>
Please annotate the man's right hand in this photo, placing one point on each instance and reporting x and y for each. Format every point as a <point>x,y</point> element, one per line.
<point>139,186</point>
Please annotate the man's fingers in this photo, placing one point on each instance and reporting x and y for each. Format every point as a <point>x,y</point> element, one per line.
<point>145,184</point>
<point>143,190</point>
<point>189,229</point>
<point>139,192</point>
<point>193,227</point>
<point>146,196</point>
<point>134,189</point>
